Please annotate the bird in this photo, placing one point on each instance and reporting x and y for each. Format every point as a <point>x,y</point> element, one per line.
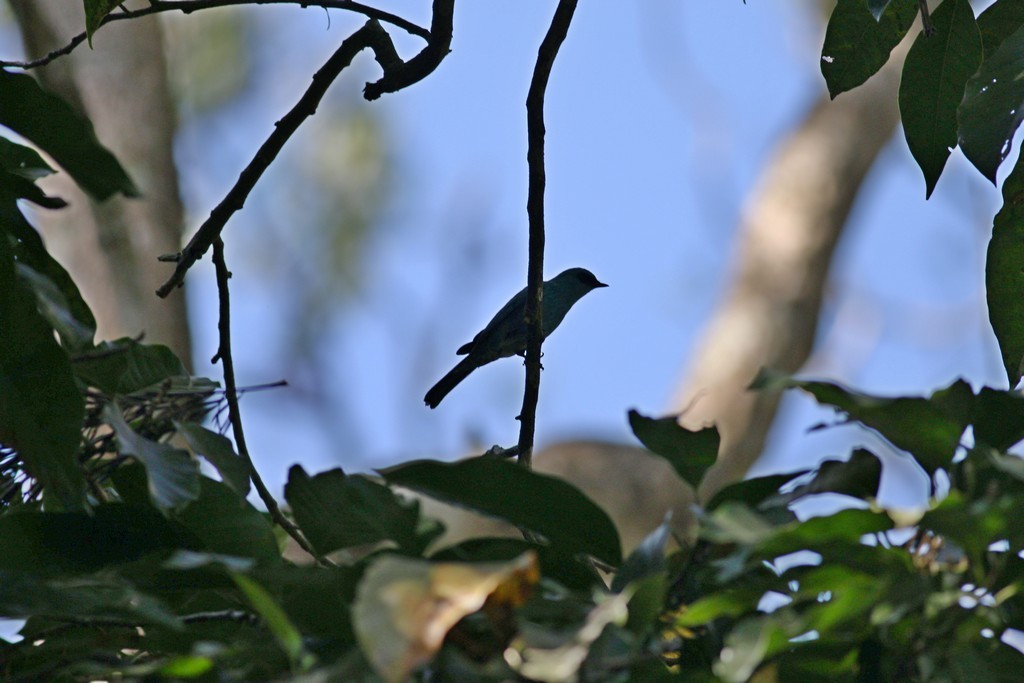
<point>505,335</point>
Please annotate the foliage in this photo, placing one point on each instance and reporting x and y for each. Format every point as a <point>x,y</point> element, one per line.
<point>127,560</point>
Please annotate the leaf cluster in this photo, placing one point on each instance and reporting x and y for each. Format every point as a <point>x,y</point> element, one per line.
<point>132,553</point>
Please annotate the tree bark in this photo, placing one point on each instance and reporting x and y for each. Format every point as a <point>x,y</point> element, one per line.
<point>789,232</point>
<point>110,249</point>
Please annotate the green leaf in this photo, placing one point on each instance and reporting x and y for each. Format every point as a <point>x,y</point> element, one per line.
<point>858,477</point>
<point>20,167</point>
<point>55,542</point>
<point>545,505</point>
<point>339,511</point>
<point>228,524</point>
<point>95,12</point>
<point>998,22</point>
<point>646,560</point>
<point>1004,277</point>
<point>999,418</point>
<point>993,106</point>
<point>22,161</point>
<point>287,636</point>
<point>691,454</point>
<point>217,449</point>
<point>934,76</point>
<point>125,366</point>
<point>856,45</point>
<point>928,428</point>
<point>66,136</point>
<point>41,409</point>
<point>753,492</point>
<point>76,331</point>
<point>844,526</point>
<point>877,8</point>
<point>56,309</point>
<point>94,599</point>
<point>172,473</point>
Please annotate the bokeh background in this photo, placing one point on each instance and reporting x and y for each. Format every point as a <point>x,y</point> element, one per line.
<point>389,232</point>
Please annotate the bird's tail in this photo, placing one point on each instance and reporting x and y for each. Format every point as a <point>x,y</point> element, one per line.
<point>450,381</point>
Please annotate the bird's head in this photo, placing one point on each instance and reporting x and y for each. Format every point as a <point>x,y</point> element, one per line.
<point>577,281</point>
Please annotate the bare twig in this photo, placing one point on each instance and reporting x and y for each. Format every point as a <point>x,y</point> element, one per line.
<point>397,75</point>
<point>189,6</point>
<point>231,392</point>
<point>535,211</point>
<point>926,19</point>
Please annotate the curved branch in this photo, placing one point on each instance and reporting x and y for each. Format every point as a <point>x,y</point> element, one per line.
<point>535,211</point>
<point>231,394</point>
<point>397,75</point>
<point>190,6</point>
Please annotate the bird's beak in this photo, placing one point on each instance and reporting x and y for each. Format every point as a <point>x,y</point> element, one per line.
<point>600,284</point>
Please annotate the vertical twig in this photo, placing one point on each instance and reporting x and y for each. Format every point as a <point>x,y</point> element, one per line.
<point>926,19</point>
<point>231,393</point>
<point>535,212</point>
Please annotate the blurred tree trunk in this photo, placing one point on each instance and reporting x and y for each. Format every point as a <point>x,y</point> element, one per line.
<point>790,229</point>
<point>110,249</point>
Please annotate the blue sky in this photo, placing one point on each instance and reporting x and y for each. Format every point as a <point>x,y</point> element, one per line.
<point>659,116</point>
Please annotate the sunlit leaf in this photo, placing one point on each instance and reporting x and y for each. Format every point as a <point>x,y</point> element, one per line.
<point>405,607</point>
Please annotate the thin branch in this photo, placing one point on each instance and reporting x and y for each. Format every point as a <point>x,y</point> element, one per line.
<point>231,392</point>
<point>190,6</point>
<point>397,75</point>
<point>926,19</point>
<point>535,211</point>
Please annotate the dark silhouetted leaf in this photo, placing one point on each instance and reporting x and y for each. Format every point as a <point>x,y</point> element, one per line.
<point>934,76</point>
<point>66,136</point>
<point>1004,275</point>
<point>67,312</point>
<point>993,106</point>
<point>691,454</point>
<point>172,474</point>
<point>858,477</point>
<point>97,599</point>
<point>929,428</point>
<point>125,366</point>
<point>217,449</point>
<point>287,636</point>
<point>95,12</point>
<point>56,542</point>
<point>753,492</point>
<point>228,524</point>
<point>545,505</point>
<point>647,559</point>
<point>856,45</point>
<point>41,409</point>
<point>998,22</point>
<point>337,511</point>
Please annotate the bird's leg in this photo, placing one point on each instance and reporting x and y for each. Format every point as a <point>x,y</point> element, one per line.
<point>522,354</point>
